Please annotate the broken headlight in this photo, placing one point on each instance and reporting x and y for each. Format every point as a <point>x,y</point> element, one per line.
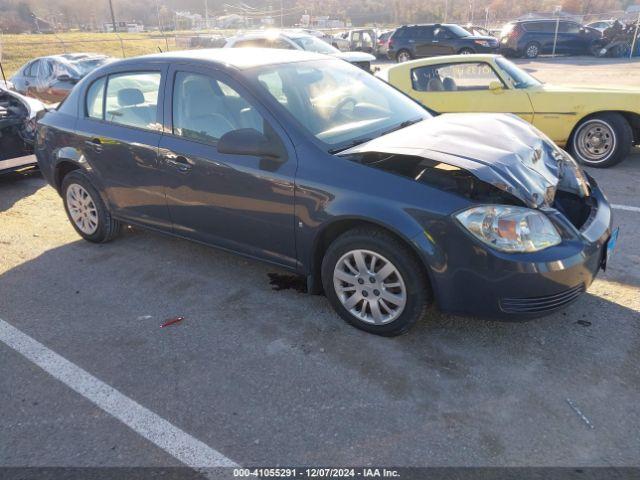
<point>510,229</point>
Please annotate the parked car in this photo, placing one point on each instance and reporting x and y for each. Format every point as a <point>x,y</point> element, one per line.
<point>530,38</point>
<point>415,41</point>
<point>358,40</point>
<point>17,129</point>
<point>309,163</point>
<point>383,43</point>
<point>601,25</point>
<point>598,125</point>
<point>50,79</point>
<point>294,40</point>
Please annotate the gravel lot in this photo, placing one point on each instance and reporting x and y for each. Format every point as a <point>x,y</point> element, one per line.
<point>275,378</point>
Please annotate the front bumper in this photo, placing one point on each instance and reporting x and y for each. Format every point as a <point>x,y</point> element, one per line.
<point>474,279</point>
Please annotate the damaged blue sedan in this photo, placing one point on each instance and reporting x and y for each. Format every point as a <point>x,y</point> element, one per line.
<point>311,164</point>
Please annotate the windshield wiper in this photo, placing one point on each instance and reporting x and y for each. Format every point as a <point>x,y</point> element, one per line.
<point>404,124</point>
<point>355,143</point>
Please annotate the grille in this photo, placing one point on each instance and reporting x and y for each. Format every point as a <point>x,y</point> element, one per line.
<point>541,304</point>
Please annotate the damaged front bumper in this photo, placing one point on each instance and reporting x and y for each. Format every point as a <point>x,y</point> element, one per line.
<point>481,281</point>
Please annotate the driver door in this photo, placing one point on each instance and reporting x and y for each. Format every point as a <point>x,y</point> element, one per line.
<point>240,202</point>
<point>465,87</point>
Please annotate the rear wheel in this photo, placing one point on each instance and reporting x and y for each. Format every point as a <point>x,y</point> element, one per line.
<point>403,56</point>
<point>85,209</point>
<point>602,140</point>
<point>532,50</point>
<point>374,282</point>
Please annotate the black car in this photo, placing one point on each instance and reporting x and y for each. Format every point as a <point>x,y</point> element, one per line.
<point>415,41</point>
<point>312,164</point>
<point>529,38</point>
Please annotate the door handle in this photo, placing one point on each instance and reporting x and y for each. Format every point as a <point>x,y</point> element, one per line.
<point>179,162</point>
<point>95,144</point>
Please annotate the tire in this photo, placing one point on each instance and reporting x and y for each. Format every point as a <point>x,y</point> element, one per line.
<point>601,140</point>
<point>403,56</point>
<point>466,51</point>
<point>531,50</point>
<point>399,306</point>
<point>74,187</point>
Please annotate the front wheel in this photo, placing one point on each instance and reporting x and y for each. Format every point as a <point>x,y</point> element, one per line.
<point>374,282</point>
<point>602,140</point>
<point>86,211</point>
<point>465,51</point>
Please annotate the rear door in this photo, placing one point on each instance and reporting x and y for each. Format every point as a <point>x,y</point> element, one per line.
<point>241,202</point>
<point>422,39</point>
<point>464,87</point>
<point>120,130</point>
<point>443,42</point>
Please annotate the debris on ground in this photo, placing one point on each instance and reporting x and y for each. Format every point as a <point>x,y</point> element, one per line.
<point>584,323</point>
<point>172,321</point>
<point>280,281</point>
<point>580,414</point>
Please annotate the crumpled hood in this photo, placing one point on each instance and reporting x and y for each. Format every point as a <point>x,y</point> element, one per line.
<point>499,149</point>
<point>354,56</point>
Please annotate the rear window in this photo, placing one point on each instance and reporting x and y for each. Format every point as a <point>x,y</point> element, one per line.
<point>95,99</point>
<point>132,99</point>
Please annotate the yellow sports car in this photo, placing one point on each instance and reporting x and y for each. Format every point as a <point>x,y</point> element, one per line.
<point>597,125</point>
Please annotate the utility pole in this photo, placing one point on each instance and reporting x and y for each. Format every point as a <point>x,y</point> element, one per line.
<point>113,17</point>
<point>281,13</point>
<point>206,15</point>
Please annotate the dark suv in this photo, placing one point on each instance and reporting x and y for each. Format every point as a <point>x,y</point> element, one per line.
<point>529,38</point>
<point>414,41</point>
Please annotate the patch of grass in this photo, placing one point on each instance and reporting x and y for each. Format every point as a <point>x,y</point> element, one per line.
<point>16,50</point>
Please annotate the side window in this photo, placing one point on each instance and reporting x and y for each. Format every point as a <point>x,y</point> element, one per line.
<point>423,33</point>
<point>31,69</point>
<point>204,109</point>
<point>132,99</point>
<point>568,27</point>
<point>255,42</point>
<point>95,99</point>
<point>550,27</point>
<point>534,26</point>
<point>453,77</point>
<point>281,43</point>
<point>442,33</point>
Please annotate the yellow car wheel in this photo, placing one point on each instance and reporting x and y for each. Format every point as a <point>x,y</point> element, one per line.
<point>602,140</point>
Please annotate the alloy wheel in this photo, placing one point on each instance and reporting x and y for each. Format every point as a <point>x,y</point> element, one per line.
<point>82,209</point>
<point>369,287</point>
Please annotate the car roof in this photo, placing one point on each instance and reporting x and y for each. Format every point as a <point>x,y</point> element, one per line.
<point>475,57</point>
<point>238,58</point>
<point>272,33</point>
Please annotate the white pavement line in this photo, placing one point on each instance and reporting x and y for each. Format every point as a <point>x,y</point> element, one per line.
<point>625,207</point>
<point>157,430</point>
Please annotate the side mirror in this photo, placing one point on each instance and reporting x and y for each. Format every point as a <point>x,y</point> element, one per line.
<point>495,86</point>
<point>66,78</point>
<point>248,141</point>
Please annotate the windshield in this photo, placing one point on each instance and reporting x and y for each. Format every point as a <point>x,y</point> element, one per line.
<point>314,44</point>
<point>458,31</point>
<point>339,104</point>
<point>517,77</point>
<point>85,66</point>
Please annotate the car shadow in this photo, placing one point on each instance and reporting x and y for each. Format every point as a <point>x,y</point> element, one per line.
<point>17,185</point>
<point>244,346</point>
